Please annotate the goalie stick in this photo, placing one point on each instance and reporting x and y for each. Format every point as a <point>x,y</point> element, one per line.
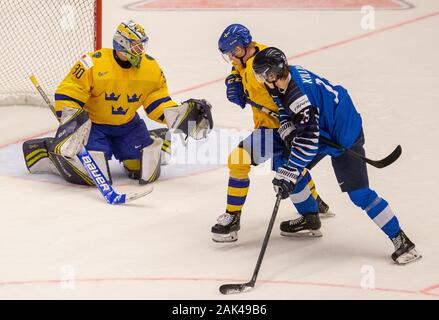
<point>110,195</point>
<point>244,287</point>
<point>391,158</point>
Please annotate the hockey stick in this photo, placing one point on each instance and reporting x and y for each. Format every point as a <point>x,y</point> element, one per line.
<point>391,158</point>
<point>244,287</point>
<point>111,196</point>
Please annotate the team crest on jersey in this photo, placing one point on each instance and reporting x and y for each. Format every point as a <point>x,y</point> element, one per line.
<point>97,55</point>
<point>118,111</point>
<point>111,97</point>
<point>134,98</point>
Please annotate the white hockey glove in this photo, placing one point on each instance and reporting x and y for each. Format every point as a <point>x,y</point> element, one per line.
<point>285,129</point>
<point>285,181</point>
<point>286,132</point>
<point>193,117</point>
<point>73,132</point>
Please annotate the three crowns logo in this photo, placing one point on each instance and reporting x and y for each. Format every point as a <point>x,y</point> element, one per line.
<point>134,98</point>
<point>111,97</point>
<point>119,110</point>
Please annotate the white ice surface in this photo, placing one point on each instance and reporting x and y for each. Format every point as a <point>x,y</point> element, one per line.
<point>160,247</point>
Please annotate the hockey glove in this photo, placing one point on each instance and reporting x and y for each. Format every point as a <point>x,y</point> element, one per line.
<point>193,117</point>
<point>287,133</point>
<point>285,181</point>
<point>235,90</point>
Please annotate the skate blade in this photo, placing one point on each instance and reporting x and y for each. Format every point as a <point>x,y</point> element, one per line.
<point>327,214</point>
<point>303,234</point>
<point>408,257</point>
<point>231,237</point>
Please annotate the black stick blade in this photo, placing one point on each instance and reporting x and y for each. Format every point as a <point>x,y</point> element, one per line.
<point>236,288</point>
<point>391,158</point>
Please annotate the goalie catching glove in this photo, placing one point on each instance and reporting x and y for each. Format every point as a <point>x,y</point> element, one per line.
<point>73,132</point>
<point>193,117</point>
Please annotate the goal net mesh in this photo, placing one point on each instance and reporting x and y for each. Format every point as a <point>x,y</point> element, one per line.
<point>45,38</point>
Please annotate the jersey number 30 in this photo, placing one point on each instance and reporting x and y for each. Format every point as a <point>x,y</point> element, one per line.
<point>79,71</point>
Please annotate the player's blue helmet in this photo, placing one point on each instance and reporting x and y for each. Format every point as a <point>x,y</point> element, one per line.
<point>233,36</point>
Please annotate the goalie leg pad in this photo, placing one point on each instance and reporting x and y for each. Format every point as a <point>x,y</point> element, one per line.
<point>102,162</point>
<point>164,134</point>
<point>150,163</point>
<point>70,170</point>
<point>36,156</point>
<point>74,172</point>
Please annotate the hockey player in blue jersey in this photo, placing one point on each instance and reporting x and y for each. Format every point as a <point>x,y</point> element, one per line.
<point>311,107</point>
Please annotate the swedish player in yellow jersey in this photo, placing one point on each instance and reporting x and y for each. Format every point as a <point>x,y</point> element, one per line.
<point>263,143</point>
<point>97,103</point>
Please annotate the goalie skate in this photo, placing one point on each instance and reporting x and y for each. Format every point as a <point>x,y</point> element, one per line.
<point>305,226</point>
<point>227,227</point>
<point>404,249</point>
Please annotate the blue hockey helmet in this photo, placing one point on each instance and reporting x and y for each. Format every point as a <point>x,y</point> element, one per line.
<point>233,36</point>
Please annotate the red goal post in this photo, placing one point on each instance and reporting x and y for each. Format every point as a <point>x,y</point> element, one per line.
<point>45,38</point>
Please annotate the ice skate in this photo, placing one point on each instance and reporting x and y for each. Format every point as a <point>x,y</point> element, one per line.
<point>227,227</point>
<point>305,226</point>
<point>404,249</point>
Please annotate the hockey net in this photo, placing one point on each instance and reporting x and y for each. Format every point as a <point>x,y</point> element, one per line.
<point>45,38</point>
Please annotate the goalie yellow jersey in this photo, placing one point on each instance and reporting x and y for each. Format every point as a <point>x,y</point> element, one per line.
<point>111,91</point>
<point>257,94</point>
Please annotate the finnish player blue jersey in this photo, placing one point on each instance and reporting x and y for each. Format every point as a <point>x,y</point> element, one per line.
<point>316,107</point>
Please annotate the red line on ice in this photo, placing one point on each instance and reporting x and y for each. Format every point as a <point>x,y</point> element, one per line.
<point>225,280</point>
<point>273,4</point>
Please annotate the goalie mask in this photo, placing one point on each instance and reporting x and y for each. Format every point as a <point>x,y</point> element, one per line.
<point>131,40</point>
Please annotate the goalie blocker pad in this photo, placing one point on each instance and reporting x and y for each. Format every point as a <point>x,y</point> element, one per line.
<point>73,132</point>
<point>40,158</point>
<point>193,117</point>
<point>150,161</point>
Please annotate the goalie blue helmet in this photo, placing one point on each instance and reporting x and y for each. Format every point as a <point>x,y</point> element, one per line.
<point>233,36</point>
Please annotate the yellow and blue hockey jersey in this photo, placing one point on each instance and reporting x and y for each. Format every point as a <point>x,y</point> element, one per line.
<point>111,92</point>
<point>256,94</point>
